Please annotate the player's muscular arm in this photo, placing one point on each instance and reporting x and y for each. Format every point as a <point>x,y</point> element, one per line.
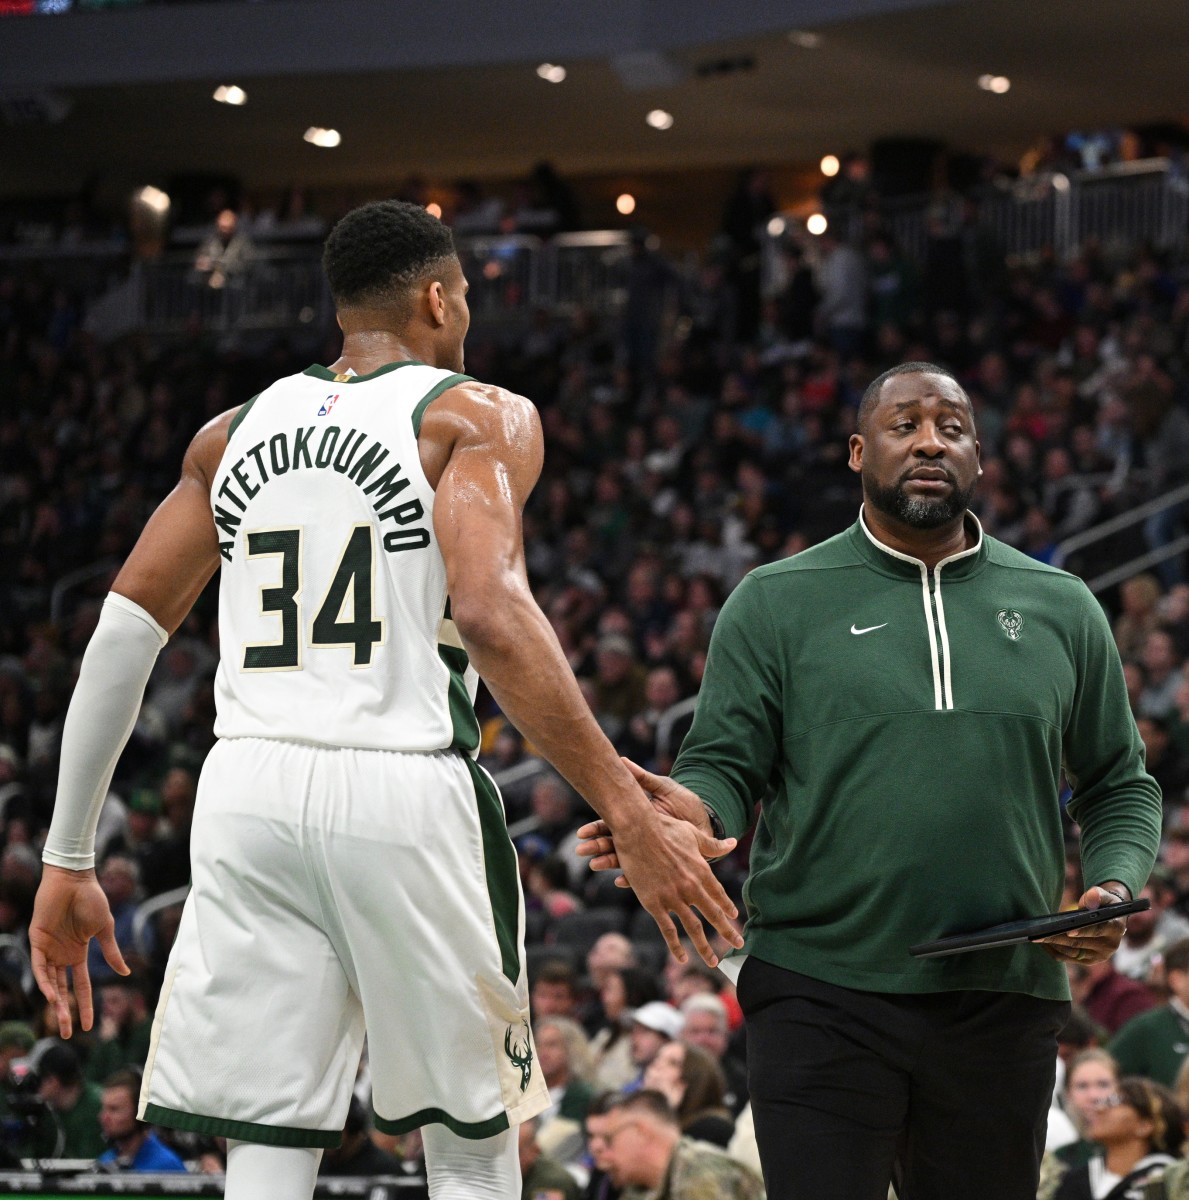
<point>174,558</point>
<point>482,449</point>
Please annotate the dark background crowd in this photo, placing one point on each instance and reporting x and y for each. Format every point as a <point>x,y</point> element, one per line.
<point>694,433</point>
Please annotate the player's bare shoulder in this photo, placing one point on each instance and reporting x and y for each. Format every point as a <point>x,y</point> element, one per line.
<point>474,416</point>
<point>208,445</point>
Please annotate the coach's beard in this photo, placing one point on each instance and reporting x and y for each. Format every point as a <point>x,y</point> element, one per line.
<point>921,512</point>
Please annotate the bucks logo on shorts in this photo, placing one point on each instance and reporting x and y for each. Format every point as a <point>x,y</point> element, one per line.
<point>1012,622</point>
<point>520,1055</point>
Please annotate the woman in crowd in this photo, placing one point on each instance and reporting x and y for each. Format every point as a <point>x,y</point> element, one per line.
<point>624,989</point>
<point>1139,1129</point>
<point>694,1085</point>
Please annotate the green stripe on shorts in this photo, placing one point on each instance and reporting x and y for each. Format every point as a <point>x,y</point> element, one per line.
<point>429,1116</point>
<point>499,861</point>
<point>244,1131</point>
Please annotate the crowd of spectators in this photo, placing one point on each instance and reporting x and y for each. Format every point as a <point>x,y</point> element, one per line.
<point>700,432</point>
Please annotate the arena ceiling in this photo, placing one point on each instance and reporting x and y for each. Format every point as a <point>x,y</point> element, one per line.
<point>757,98</point>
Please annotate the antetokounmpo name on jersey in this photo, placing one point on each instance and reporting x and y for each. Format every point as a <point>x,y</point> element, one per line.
<point>301,451</point>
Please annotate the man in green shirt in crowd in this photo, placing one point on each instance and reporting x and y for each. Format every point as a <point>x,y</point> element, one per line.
<point>75,1102</point>
<point>904,698</point>
<point>1156,1043</point>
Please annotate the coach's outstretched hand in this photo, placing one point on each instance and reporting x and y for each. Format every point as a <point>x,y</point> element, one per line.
<point>70,910</point>
<point>682,817</point>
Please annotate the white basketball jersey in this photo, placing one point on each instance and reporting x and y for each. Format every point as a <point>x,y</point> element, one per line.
<point>333,616</point>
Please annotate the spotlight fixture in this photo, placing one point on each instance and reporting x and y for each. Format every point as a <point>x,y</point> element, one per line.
<point>625,204</point>
<point>326,138</point>
<point>817,224</point>
<point>230,94</point>
<point>830,165</point>
<point>552,73</point>
<point>659,119</point>
<point>998,84</point>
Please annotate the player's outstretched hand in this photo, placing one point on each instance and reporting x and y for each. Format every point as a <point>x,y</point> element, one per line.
<point>665,863</point>
<point>70,910</point>
<point>1093,943</point>
<point>668,796</point>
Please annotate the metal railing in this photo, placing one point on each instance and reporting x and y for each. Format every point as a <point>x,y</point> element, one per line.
<point>1105,530</point>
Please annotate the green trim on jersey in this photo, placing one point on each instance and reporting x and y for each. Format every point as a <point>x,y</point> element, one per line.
<point>433,393</point>
<point>317,371</point>
<point>239,416</point>
<point>244,1131</point>
<point>499,864</point>
<point>462,711</point>
<point>474,1130</point>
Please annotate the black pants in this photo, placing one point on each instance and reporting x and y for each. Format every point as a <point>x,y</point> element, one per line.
<point>948,1093</point>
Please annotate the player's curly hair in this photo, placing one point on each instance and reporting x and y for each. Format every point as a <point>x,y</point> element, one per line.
<point>378,251</point>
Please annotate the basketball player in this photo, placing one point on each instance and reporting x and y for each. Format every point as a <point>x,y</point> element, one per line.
<point>351,867</point>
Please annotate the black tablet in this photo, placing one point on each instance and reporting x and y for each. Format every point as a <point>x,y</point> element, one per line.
<point>1028,930</point>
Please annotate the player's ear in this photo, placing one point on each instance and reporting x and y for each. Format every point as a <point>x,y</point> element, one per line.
<point>436,295</point>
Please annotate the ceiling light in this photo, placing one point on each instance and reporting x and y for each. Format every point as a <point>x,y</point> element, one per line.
<point>816,224</point>
<point>659,119</point>
<point>776,227</point>
<point>434,210</point>
<point>327,138</point>
<point>154,198</point>
<point>830,165</point>
<point>994,83</point>
<point>230,94</point>
<point>551,72</point>
<point>805,39</point>
<point>625,204</point>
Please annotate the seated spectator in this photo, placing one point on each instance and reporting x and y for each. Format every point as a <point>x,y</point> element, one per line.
<point>123,1031</point>
<point>1164,759</point>
<point>611,952</point>
<point>76,1103</point>
<point>563,1054</point>
<point>694,1086</point>
<point>1140,1129</point>
<point>134,1146</point>
<point>1140,616</point>
<point>624,991</point>
<point>706,1026</point>
<point>1151,933</point>
<point>1162,675</point>
<point>645,1150</point>
<point>549,888</point>
<point>652,1026</point>
<point>119,877</point>
<point>1155,1043</point>
<point>1090,1078</point>
<point>543,1178</point>
<point>555,991</point>
<point>1110,999</point>
<point>357,1155</point>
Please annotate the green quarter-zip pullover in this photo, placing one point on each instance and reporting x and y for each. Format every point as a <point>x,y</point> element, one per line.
<point>906,731</point>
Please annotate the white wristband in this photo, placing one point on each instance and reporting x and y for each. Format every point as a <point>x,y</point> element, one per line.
<point>99,721</point>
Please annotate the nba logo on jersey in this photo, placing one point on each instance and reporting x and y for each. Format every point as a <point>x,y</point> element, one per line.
<point>327,405</point>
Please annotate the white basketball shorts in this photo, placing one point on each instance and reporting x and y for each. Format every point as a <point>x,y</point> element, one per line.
<point>338,890</point>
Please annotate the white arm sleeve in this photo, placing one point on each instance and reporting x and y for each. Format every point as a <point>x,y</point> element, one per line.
<point>99,721</point>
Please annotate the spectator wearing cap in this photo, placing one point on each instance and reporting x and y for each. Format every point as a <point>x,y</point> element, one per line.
<point>132,1145</point>
<point>1149,934</point>
<point>16,1040</point>
<point>652,1026</point>
<point>142,826</point>
<point>76,1103</point>
<point>623,991</point>
<point>1156,1043</point>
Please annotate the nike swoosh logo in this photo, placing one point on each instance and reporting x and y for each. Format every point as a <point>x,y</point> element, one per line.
<point>869,628</point>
